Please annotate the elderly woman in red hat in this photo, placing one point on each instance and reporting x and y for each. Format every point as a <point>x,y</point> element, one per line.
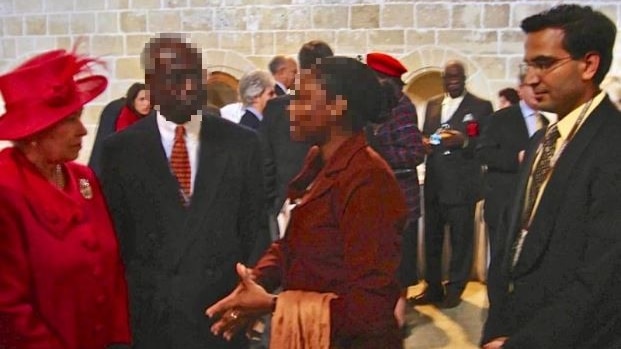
<point>62,282</point>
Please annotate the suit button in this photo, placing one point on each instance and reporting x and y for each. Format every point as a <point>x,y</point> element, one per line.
<point>100,299</point>
<point>99,327</point>
<point>97,271</point>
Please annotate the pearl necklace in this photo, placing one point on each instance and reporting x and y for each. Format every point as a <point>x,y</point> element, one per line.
<point>59,177</point>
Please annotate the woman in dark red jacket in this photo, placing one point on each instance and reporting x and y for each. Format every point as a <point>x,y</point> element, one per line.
<point>62,283</point>
<point>338,259</point>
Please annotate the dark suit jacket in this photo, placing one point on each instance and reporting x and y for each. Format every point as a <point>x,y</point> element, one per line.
<point>250,120</point>
<point>283,157</point>
<point>455,177</point>
<point>181,260</point>
<point>279,91</point>
<point>557,295</point>
<point>504,136</point>
<point>107,124</point>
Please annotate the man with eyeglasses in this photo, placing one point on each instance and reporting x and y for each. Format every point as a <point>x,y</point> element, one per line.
<point>560,284</point>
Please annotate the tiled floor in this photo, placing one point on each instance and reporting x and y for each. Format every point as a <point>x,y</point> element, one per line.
<point>457,328</point>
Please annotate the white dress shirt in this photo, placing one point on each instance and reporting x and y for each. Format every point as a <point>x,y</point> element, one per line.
<point>449,106</point>
<point>192,132</point>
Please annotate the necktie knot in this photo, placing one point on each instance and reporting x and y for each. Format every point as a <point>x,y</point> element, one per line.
<point>552,135</point>
<point>179,132</point>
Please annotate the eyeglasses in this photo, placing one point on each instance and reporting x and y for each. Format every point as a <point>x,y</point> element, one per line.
<point>543,65</point>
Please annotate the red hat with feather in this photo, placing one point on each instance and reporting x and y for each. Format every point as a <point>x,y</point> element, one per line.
<point>44,90</point>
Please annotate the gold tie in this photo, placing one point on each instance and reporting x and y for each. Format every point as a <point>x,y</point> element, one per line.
<point>539,175</point>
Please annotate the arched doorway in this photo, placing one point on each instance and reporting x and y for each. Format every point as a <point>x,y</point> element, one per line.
<point>221,89</point>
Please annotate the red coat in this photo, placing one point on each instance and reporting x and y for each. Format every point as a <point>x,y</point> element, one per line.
<point>62,282</point>
<point>344,238</point>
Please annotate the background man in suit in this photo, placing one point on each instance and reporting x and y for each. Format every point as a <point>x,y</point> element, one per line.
<point>284,69</point>
<point>563,226</point>
<point>256,88</point>
<point>187,198</point>
<point>284,157</point>
<point>452,184</point>
<point>506,135</point>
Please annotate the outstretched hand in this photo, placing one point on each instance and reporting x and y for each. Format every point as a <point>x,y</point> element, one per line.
<point>241,307</point>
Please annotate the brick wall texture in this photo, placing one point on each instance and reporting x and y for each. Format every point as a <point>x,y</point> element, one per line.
<point>237,35</point>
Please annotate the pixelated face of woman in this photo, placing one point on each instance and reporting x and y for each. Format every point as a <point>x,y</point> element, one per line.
<point>312,113</point>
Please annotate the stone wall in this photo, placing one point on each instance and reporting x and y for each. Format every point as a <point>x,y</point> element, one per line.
<point>237,35</point>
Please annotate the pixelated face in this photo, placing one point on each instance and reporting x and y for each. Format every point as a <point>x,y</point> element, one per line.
<point>62,141</point>
<point>176,81</point>
<point>311,112</point>
<point>454,79</point>
<point>555,78</point>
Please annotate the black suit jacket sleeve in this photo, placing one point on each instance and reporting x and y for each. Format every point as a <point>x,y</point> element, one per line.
<point>493,148</point>
<point>252,220</point>
<point>112,187</point>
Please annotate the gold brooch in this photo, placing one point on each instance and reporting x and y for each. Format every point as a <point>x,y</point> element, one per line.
<point>85,188</point>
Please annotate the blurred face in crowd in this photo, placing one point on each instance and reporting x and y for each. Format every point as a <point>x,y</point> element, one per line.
<point>176,82</point>
<point>454,79</point>
<point>62,141</point>
<point>261,101</point>
<point>141,103</point>
<point>528,96</point>
<point>289,72</point>
<point>312,113</point>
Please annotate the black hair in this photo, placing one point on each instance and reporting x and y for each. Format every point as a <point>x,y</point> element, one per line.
<point>355,82</point>
<point>510,94</point>
<point>585,31</point>
<point>131,94</point>
<point>311,51</point>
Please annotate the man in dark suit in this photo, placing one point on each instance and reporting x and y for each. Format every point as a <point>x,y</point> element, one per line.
<point>502,141</point>
<point>284,70</point>
<point>284,157</point>
<point>563,225</point>
<point>107,122</point>
<point>187,197</point>
<point>452,184</point>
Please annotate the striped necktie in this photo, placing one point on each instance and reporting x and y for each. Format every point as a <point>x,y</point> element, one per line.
<point>180,163</point>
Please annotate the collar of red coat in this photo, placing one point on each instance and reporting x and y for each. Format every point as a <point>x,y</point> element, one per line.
<point>313,164</point>
<point>56,209</point>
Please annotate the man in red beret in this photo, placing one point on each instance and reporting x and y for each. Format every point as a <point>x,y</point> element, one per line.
<point>399,141</point>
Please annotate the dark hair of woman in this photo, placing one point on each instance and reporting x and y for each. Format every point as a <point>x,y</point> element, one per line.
<point>354,82</point>
<point>132,92</point>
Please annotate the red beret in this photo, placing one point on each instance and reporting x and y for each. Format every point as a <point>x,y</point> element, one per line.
<point>386,64</point>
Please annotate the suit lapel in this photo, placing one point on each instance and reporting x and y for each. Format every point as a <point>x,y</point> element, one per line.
<point>545,217</point>
<point>515,214</point>
<point>156,166</point>
<point>212,162</point>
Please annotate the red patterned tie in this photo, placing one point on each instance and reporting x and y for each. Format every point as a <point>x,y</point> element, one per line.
<point>180,163</point>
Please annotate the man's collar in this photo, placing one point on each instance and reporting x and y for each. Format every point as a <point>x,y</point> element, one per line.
<point>192,127</point>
